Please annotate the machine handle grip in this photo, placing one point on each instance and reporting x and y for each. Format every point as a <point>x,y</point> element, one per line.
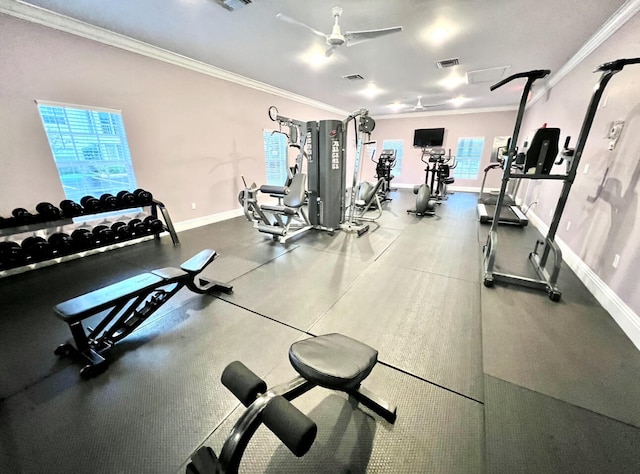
<point>533,75</point>
<point>616,65</point>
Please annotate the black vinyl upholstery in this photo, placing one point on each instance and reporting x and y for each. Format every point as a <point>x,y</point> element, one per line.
<point>333,361</point>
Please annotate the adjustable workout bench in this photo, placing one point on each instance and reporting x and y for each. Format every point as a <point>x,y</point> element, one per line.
<point>332,361</point>
<point>130,302</point>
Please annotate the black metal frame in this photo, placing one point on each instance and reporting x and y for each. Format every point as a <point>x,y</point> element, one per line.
<point>547,278</point>
<point>205,461</point>
<point>127,313</point>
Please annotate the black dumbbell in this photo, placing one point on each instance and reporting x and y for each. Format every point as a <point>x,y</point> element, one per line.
<point>122,230</point>
<point>11,255</point>
<point>60,243</point>
<point>37,248</point>
<point>126,199</point>
<point>143,198</point>
<point>104,234</point>
<point>22,216</point>
<point>48,211</point>
<point>6,222</point>
<point>154,224</point>
<point>91,204</point>
<point>137,227</point>
<point>83,239</point>
<point>71,208</point>
<point>108,202</point>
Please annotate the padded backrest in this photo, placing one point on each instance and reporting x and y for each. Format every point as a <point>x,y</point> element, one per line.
<point>297,191</point>
<point>543,150</point>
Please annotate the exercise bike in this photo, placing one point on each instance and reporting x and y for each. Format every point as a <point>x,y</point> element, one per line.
<point>433,191</point>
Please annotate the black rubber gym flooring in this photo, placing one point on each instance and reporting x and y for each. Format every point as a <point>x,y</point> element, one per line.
<point>485,380</point>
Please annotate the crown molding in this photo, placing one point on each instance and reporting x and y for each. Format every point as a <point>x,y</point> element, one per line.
<point>613,24</point>
<point>479,110</point>
<point>41,16</point>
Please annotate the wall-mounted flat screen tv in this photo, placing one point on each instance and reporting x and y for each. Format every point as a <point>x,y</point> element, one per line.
<point>428,137</point>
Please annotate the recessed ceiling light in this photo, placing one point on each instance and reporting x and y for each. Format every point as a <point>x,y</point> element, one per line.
<point>371,91</point>
<point>315,58</point>
<point>458,101</point>
<point>453,81</point>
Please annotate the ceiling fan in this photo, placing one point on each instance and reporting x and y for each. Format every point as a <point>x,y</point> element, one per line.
<point>420,106</point>
<point>336,38</point>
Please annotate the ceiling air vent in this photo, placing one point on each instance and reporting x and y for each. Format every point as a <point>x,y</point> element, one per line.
<point>481,76</point>
<point>232,5</point>
<point>443,63</point>
<point>353,77</point>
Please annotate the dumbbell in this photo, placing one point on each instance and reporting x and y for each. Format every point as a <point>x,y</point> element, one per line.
<point>144,198</point>
<point>91,204</point>
<point>60,243</point>
<point>83,239</point>
<point>108,202</point>
<point>37,248</point>
<point>137,227</point>
<point>122,230</point>
<point>22,216</point>
<point>154,224</point>
<point>104,234</point>
<point>70,208</point>
<point>48,211</point>
<point>6,222</point>
<point>11,255</point>
<point>126,199</point>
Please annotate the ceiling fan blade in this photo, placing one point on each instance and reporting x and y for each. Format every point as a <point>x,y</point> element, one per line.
<point>356,37</point>
<point>287,19</point>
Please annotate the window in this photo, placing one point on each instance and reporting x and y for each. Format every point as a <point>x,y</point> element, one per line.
<point>89,148</point>
<point>275,157</point>
<point>398,146</point>
<point>468,157</point>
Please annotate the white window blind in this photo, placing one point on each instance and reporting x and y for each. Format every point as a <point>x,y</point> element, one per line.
<point>89,148</point>
<point>275,157</point>
<point>398,146</point>
<point>468,156</point>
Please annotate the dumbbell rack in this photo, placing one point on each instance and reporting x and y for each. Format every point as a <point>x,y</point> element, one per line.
<point>157,209</point>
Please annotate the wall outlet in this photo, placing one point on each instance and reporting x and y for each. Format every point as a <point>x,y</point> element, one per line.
<point>193,205</point>
<point>616,261</point>
<point>568,225</point>
<point>586,168</point>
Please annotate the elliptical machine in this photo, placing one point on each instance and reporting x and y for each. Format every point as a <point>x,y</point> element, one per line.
<point>384,165</point>
<point>433,191</point>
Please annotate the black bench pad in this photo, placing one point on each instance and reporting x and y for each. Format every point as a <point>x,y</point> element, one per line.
<point>281,209</point>
<point>83,306</point>
<point>196,263</point>
<point>333,361</point>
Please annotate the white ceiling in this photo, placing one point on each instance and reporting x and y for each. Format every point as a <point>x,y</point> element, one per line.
<point>252,42</point>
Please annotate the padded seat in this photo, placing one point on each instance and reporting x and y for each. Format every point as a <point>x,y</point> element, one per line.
<point>83,306</point>
<point>333,361</point>
<point>280,209</point>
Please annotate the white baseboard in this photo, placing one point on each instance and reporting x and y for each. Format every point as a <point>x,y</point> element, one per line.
<point>624,316</point>
<point>206,220</point>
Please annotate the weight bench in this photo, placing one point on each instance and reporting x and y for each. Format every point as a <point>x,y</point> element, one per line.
<point>332,361</point>
<point>129,303</point>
